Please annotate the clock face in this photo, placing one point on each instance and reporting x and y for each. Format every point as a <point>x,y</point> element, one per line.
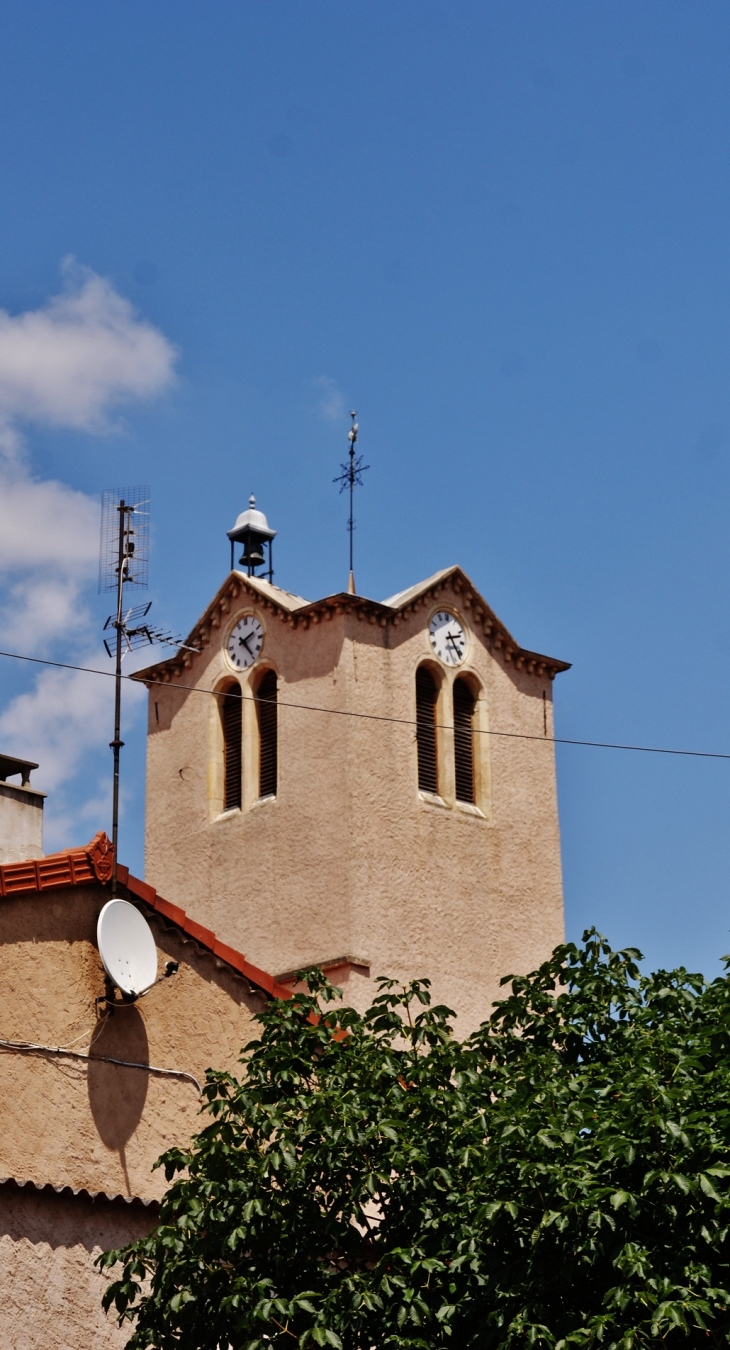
<point>448,638</point>
<point>245,642</point>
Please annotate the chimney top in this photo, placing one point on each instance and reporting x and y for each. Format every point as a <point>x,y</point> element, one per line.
<point>9,766</point>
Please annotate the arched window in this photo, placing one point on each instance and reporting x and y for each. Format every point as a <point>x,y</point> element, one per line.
<point>266,711</point>
<point>426,696</point>
<point>464,702</point>
<point>232,720</point>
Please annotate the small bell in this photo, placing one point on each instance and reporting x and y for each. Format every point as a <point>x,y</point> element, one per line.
<point>253,553</point>
<point>252,531</point>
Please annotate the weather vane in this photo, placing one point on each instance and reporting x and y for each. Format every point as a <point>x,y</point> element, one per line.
<point>351,477</point>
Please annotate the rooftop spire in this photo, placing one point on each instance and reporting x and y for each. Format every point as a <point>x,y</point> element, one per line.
<point>351,477</point>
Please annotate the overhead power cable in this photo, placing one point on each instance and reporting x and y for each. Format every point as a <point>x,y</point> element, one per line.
<point>382,717</point>
<point>30,1048</point>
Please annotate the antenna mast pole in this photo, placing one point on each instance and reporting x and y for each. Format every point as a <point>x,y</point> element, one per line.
<point>352,437</point>
<point>351,477</point>
<point>123,558</point>
<point>117,743</point>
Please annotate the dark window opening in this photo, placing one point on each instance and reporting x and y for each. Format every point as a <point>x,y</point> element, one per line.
<point>266,710</point>
<point>232,719</point>
<point>464,703</point>
<point>426,698</point>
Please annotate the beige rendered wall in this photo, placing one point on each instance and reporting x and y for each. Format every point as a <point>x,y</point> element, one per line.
<point>21,823</point>
<point>350,858</point>
<point>94,1125</point>
<point>50,1291</point>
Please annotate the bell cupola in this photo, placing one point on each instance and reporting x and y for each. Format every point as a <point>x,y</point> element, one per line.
<point>251,530</point>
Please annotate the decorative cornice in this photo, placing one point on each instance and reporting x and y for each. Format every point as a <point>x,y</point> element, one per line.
<point>292,609</point>
<point>347,962</point>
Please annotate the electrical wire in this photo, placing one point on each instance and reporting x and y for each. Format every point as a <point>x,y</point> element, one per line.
<point>381,717</point>
<point>29,1048</point>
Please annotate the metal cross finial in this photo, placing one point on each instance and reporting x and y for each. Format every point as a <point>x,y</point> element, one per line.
<point>351,477</point>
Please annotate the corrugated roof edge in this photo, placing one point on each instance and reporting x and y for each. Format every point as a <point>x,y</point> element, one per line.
<point>80,1193</point>
<point>82,866</point>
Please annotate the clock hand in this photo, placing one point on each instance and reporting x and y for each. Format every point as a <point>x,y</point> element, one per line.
<point>244,641</point>
<point>453,640</point>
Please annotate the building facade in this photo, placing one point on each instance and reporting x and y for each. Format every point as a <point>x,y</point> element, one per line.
<point>366,786</point>
<point>359,783</point>
<point>92,1088</point>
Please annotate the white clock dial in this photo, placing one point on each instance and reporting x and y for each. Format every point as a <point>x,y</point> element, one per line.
<point>448,638</point>
<point>245,642</point>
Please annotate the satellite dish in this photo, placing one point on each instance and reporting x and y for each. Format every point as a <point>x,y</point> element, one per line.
<point>126,947</point>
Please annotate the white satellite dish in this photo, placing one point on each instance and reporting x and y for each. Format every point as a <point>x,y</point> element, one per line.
<point>126,947</point>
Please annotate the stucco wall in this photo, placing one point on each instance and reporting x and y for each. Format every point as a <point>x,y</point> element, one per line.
<point>92,1125</point>
<point>21,823</point>
<point>97,1125</point>
<point>50,1291</point>
<point>350,858</point>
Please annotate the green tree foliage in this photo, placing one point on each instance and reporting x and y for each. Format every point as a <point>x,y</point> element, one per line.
<point>559,1179</point>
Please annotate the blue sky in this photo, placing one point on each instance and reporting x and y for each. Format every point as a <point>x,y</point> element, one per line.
<point>499,231</point>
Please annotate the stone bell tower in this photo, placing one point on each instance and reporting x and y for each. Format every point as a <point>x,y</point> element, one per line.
<point>365,785</point>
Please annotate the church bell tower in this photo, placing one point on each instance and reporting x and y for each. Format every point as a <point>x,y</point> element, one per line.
<point>365,785</point>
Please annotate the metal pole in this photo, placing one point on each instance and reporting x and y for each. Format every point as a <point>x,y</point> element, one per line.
<point>351,523</point>
<point>351,477</point>
<point>117,743</point>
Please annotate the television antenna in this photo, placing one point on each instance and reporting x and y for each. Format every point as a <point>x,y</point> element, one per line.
<point>124,561</point>
<point>351,477</point>
<point>137,634</point>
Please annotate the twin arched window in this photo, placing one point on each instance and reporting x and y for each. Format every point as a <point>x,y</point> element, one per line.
<point>232,727</point>
<point>426,698</point>
<point>464,704</point>
<point>232,719</point>
<point>266,711</point>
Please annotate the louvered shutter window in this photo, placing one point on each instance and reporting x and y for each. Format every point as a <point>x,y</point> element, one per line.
<point>464,741</point>
<point>231,716</point>
<point>426,696</point>
<point>267,717</point>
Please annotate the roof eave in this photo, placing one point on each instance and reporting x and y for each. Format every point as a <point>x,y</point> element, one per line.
<point>94,863</point>
<point>496,634</point>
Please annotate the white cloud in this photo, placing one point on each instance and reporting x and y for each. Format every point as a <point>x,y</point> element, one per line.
<point>44,523</point>
<point>68,364</point>
<point>49,542</point>
<point>67,713</point>
<point>331,401</point>
<point>71,363</point>
<point>82,354</point>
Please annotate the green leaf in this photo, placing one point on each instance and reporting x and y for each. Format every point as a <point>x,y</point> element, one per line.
<point>373,1180</point>
<point>708,1187</point>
